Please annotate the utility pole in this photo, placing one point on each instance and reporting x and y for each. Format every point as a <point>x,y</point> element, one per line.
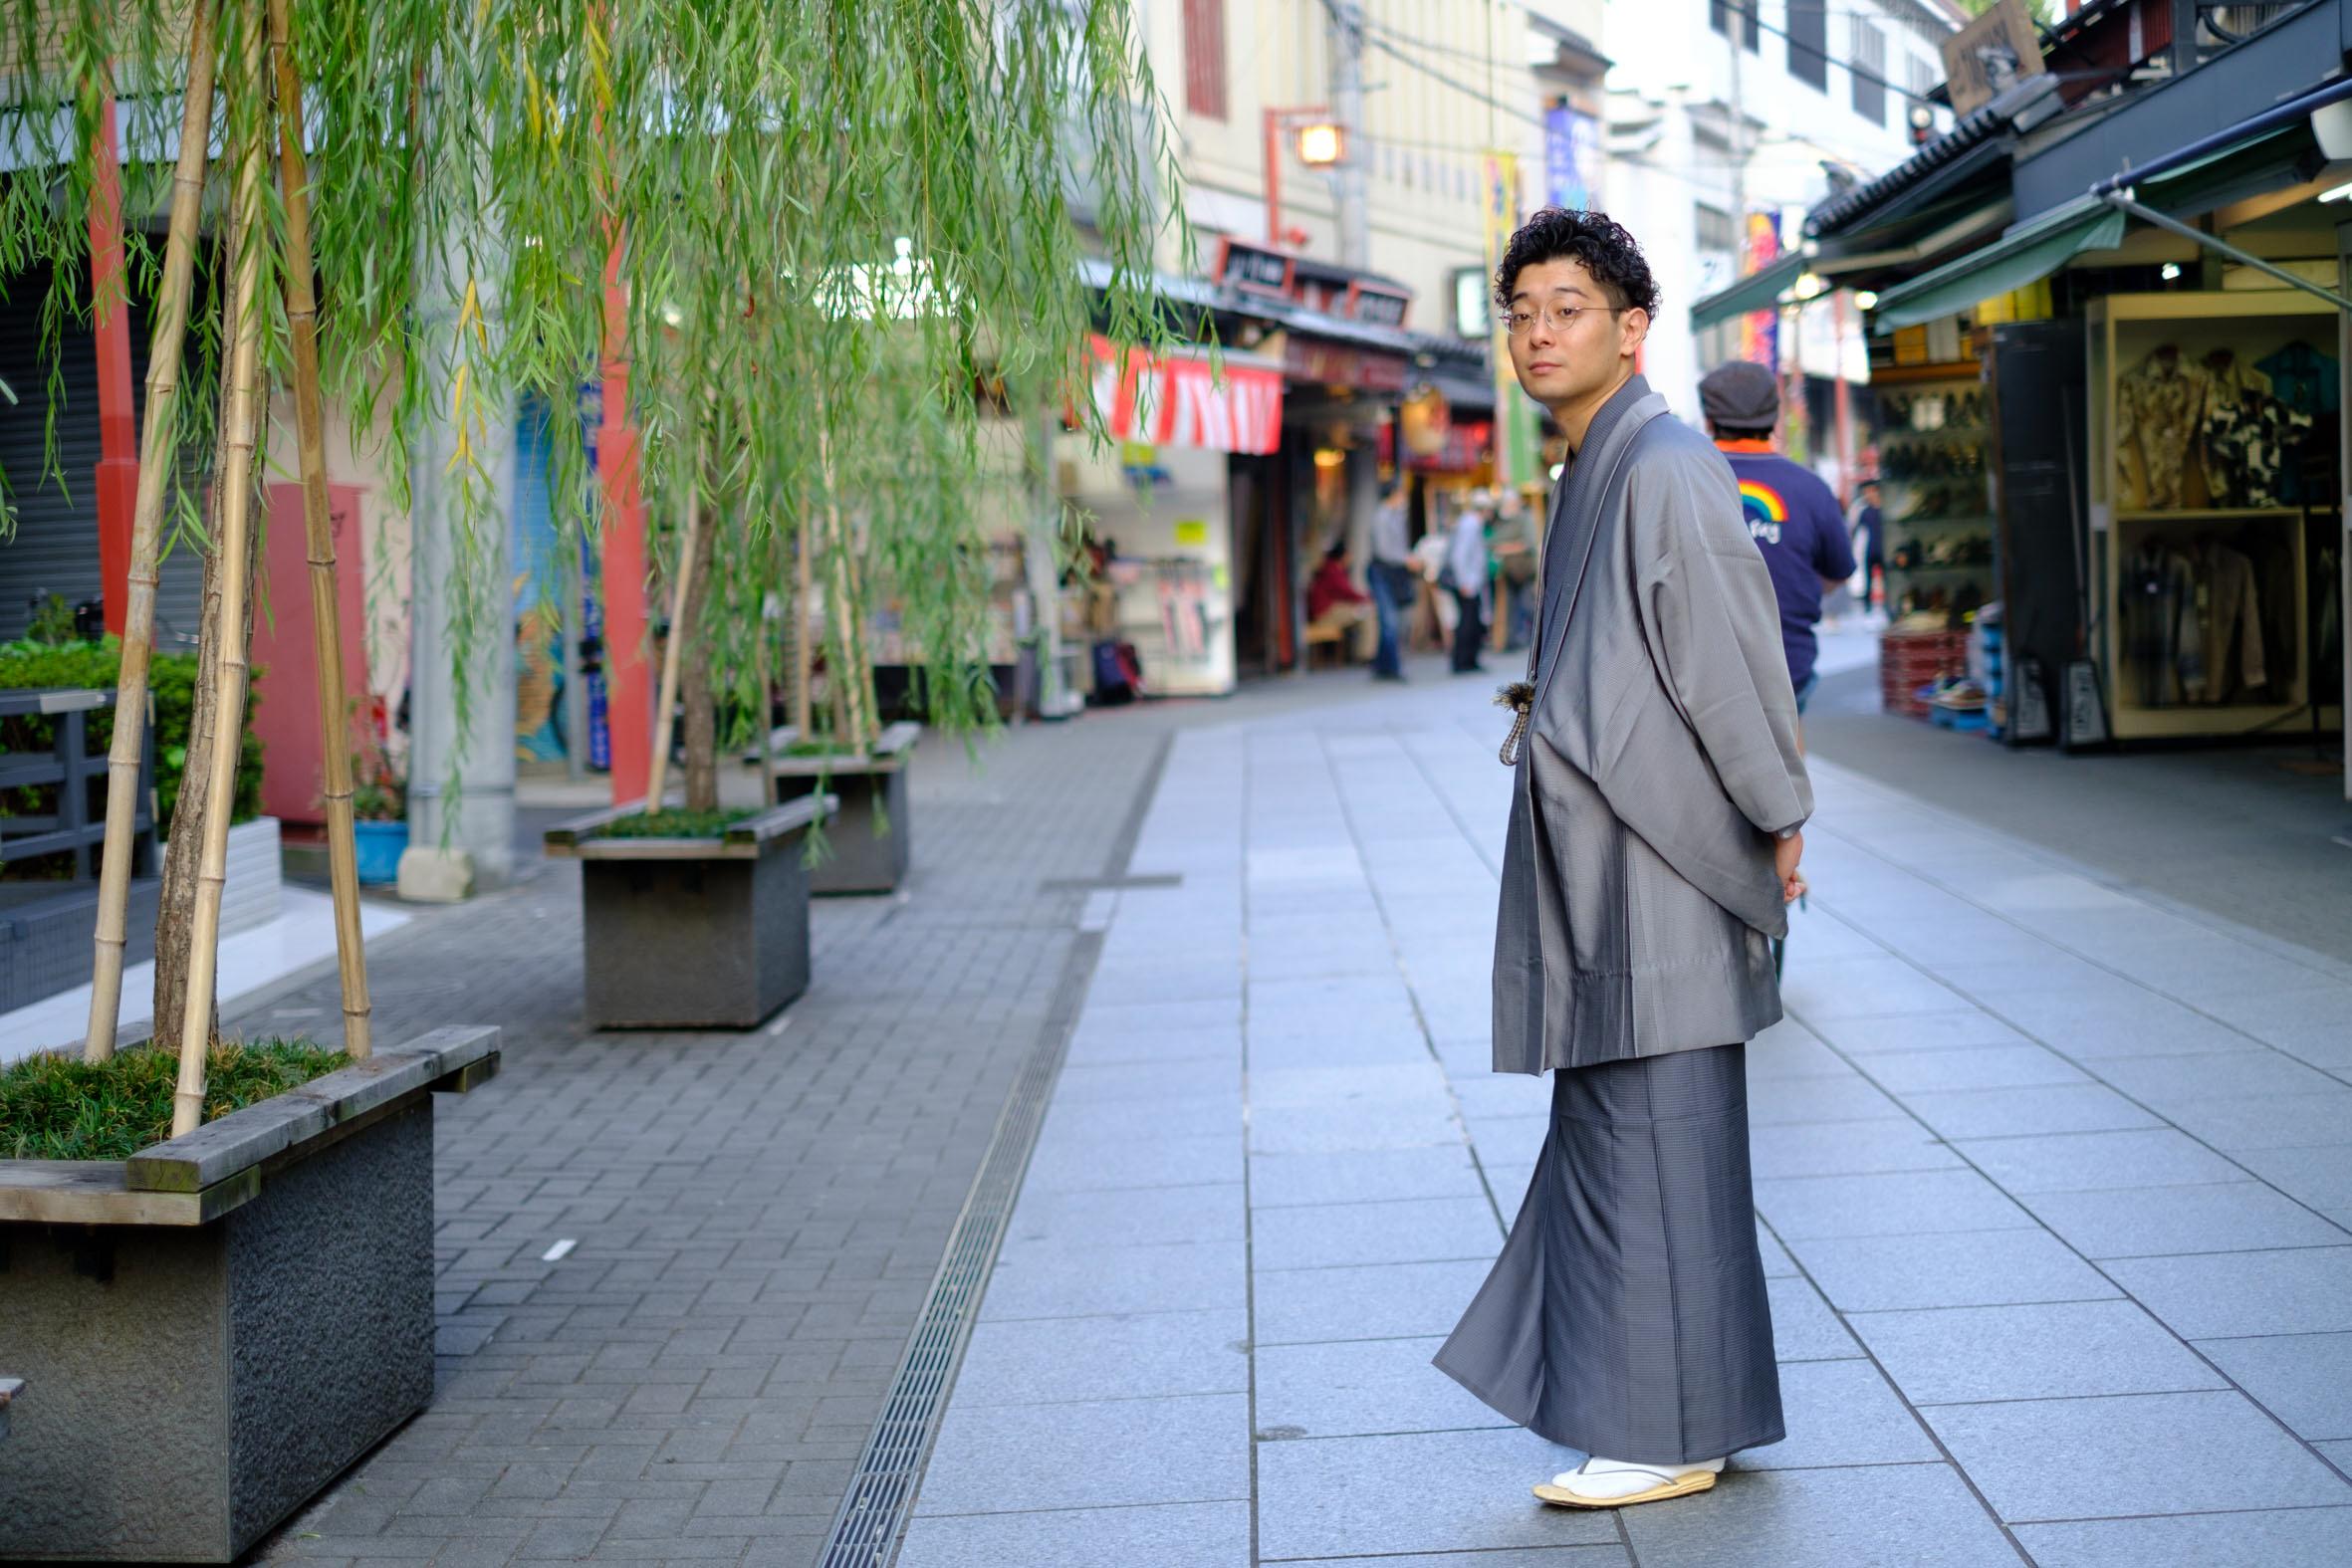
<point>1347,108</point>
<point>1741,14</point>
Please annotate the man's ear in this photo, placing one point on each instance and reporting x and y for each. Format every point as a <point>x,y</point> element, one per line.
<point>1633,328</point>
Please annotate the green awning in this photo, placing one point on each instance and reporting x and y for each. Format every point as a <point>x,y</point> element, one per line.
<point>1757,292</point>
<point>2026,253</point>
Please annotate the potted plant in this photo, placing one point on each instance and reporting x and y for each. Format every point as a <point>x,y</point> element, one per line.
<point>379,817</point>
<point>254,1297</point>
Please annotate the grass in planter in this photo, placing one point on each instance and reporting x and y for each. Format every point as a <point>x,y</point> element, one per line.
<point>65,1108</point>
<point>673,824</point>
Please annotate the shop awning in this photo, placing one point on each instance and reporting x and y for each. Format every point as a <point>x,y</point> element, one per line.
<point>1759,291</point>
<point>1183,399</point>
<point>2026,253</point>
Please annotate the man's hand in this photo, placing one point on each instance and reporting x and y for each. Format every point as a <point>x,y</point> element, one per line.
<point>1786,852</point>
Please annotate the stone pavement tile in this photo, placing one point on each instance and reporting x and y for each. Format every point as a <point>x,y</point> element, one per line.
<point>2221,1216</point>
<point>1970,1268</point>
<point>1840,1412</point>
<point>1863,988</point>
<point>1008,1458</point>
<point>1138,1121</point>
<point>1777,1102</point>
<point>2048,1350</point>
<point>2153,1027</point>
<point>1788,1051</point>
<point>1080,1164</point>
<point>1040,1280</point>
<point>2320,1177</point>
<point>1114,1018</point>
<point>2231,1294</point>
<point>1202,976</point>
<point>1604,1555</point>
<point>2091,1458</point>
<point>1212,1211</point>
<point>1361,1388</point>
<point>2268,1121</point>
<point>1404,1231</point>
<point>1353,1083</point>
<point>1488,1093</point>
<point>2258,1539</point>
<point>2092,1162</point>
<point>1111,1045</point>
<point>2162,1081</point>
<point>1187,1079</point>
<point>1875,1517</point>
<point>2338,1453</point>
<point>1149,1355</point>
<point>2305,1380</point>
<point>1890,1203</point>
<point>1850,1148</point>
<point>1285,1180</point>
<point>1776,1261</point>
<point>1390,1301</point>
<point>1277,1046</point>
<point>1804,1326</point>
<point>2042,1109</point>
<point>1949,1029</point>
<point>1363,1125</point>
<point>1178,1535</point>
<point>1426,1493</point>
<point>1968,1068</point>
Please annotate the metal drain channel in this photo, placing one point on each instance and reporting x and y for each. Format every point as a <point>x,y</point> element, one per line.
<point>882,1491</point>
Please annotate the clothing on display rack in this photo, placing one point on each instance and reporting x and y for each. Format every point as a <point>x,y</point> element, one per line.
<point>2159,409</point>
<point>2250,437</point>
<point>2193,622</point>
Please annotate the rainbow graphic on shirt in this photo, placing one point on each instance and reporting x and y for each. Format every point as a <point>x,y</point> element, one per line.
<point>1765,509</point>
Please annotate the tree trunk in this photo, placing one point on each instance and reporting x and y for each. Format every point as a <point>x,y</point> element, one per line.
<point>673,646</point>
<point>177,905</point>
<point>701,715</point>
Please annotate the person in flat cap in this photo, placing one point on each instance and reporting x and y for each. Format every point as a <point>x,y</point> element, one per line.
<point>1654,839</point>
<point>1791,514</point>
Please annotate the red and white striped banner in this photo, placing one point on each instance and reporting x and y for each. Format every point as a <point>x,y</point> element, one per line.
<point>1181,400</point>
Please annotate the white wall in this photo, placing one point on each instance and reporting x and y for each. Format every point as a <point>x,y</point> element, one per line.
<point>1670,87</point>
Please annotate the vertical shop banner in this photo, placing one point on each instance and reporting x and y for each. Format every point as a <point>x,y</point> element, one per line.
<point>1760,330</point>
<point>1572,159</point>
<point>1515,416</point>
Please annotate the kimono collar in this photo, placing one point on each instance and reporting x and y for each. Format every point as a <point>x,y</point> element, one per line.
<point>1575,524</point>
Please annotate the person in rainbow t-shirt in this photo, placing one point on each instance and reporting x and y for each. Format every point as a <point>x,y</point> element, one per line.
<point>1793,516</point>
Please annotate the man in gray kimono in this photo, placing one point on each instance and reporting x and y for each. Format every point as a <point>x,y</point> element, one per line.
<point>1653,847</point>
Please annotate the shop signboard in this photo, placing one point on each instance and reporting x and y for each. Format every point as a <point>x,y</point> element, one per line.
<point>1184,400</point>
<point>1572,158</point>
<point>1337,364</point>
<point>1760,330</point>
<point>1375,305</point>
<point>1515,416</point>
<point>1254,269</point>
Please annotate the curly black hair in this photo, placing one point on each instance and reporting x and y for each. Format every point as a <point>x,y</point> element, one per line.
<point>1592,238</point>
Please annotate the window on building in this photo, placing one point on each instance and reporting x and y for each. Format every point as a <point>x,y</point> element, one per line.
<point>1721,12</point>
<point>1808,42</point>
<point>1715,229</point>
<point>1869,63</point>
<point>1926,75</point>
<point>1204,57</point>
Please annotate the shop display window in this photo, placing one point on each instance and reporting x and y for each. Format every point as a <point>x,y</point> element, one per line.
<point>2212,423</point>
<point>1940,526</point>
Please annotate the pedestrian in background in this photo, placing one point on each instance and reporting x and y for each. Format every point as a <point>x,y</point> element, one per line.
<point>1791,514</point>
<point>1653,844</point>
<point>1870,532</point>
<point>1391,579</point>
<point>1466,572</point>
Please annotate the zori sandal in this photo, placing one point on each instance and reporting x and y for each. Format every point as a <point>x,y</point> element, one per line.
<point>1621,1485</point>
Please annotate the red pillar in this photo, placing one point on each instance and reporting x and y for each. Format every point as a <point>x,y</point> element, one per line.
<point>117,420</point>
<point>629,699</point>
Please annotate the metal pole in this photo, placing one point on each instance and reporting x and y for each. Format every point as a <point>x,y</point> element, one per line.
<point>1273,177</point>
<point>1347,108</point>
<point>1740,14</point>
<point>2121,201</point>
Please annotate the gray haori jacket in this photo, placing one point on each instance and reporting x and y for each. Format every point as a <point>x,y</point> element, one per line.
<point>1660,762</point>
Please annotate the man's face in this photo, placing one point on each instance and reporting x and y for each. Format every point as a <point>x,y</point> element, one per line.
<point>1562,358</point>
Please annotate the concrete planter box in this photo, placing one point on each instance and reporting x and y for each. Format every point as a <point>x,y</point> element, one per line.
<point>693,933</point>
<point>256,874</point>
<point>872,791</point>
<point>220,1325</point>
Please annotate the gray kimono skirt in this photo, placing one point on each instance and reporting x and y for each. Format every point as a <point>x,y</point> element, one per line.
<point>1627,1316</point>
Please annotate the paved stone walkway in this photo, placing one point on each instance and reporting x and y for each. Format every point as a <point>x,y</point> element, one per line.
<point>2054,1183</point>
<point>757,1217</point>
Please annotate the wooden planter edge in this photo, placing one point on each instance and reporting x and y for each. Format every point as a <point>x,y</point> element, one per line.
<point>196,1178</point>
<point>748,840</point>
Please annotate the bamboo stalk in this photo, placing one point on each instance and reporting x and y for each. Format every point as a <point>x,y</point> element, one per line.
<point>803,657</point>
<point>766,657</point>
<point>302,321</point>
<point>657,779</point>
<point>236,479</point>
<point>159,446</point>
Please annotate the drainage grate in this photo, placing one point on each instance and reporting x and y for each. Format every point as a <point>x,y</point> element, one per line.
<point>883,1492</point>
